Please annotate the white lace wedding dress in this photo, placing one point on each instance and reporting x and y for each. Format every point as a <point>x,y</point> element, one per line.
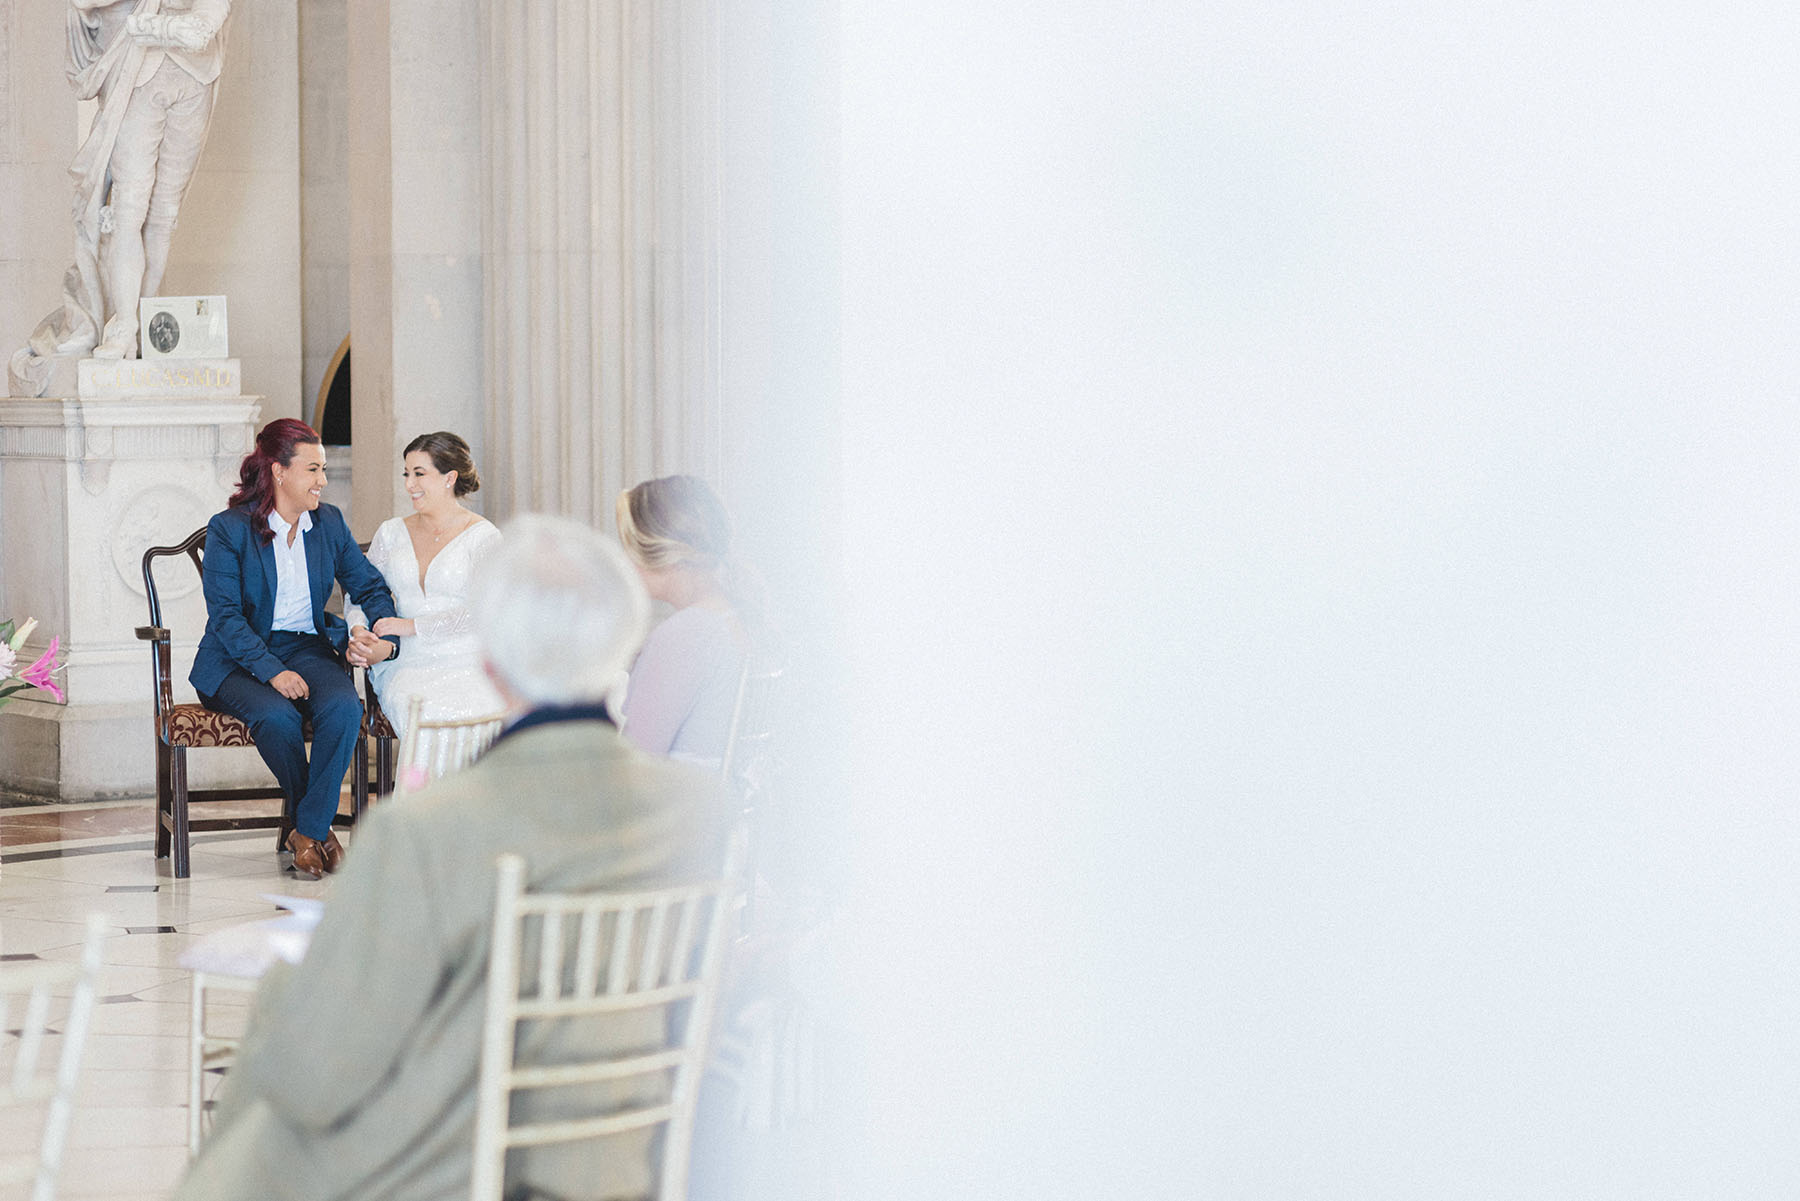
<point>439,661</point>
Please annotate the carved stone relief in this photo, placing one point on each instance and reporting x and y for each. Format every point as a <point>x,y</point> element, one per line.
<point>159,515</point>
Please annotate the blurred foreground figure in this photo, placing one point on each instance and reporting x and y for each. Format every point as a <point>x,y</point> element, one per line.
<point>684,685</point>
<point>358,1075</point>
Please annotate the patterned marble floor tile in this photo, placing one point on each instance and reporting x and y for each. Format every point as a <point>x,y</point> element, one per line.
<point>121,980</point>
<point>14,888</point>
<point>129,1133</point>
<point>151,1126</point>
<point>131,1088</point>
<point>284,884</point>
<point>259,912</point>
<point>133,1052</point>
<point>24,934</point>
<point>118,981</point>
<point>154,1018</point>
<point>136,950</point>
<point>130,1171</point>
<point>174,908</point>
<point>113,867</point>
<point>20,1126</point>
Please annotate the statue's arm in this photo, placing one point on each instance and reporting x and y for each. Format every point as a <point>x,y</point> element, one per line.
<point>190,30</point>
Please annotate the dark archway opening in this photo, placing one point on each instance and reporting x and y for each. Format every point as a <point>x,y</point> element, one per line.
<point>331,413</point>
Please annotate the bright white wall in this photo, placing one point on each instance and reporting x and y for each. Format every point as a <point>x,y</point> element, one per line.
<point>1320,537</point>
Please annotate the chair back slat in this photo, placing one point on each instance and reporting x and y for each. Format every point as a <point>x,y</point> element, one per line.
<point>564,1074</point>
<point>430,750</point>
<point>33,1083</point>
<point>587,953</point>
<point>650,963</point>
<point>550,955</point>
<point>682,952</point>
<point>574,1006</point>
<point>618,965</point>
<point>574,958</point>
<point>752,730</point>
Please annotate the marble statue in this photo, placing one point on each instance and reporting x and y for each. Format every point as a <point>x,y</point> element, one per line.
<point>153,65</point>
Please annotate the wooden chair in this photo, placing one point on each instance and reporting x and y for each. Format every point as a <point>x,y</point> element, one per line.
<point>432,749</point>
<point>592,959</point>
<point>27,1084</point>
<point>179,727</point>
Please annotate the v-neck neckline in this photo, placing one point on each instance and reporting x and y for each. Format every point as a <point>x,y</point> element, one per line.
<point>424,569</point>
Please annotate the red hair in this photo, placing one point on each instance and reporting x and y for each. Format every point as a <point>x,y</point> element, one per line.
<point>256,474</point>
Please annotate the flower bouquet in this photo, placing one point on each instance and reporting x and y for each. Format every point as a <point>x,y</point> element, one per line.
<point>39,675</point>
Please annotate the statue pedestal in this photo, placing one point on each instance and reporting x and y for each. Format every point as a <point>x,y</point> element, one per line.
<point>142,455</point>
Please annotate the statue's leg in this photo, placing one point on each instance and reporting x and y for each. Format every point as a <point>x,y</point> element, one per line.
<point>184,137</point>
<point>133,170</point>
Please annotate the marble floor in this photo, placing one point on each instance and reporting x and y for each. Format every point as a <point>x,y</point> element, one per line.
<point>59,863</point>
<point>128,1137</point>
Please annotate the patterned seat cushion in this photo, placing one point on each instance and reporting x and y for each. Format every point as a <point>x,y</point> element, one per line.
<point>196,725</point>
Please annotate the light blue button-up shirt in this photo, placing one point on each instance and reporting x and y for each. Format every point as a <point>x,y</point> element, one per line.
<point>293,588</point>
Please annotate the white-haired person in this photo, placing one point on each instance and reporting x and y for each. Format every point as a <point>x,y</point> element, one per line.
<point>683,686</point>
<point>357,1076</point>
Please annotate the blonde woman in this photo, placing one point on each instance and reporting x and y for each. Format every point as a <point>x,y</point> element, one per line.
<point>429,559</point>
<point>683,686</point>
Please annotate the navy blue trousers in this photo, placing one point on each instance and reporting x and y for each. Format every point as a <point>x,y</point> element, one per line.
<point>312,788</point>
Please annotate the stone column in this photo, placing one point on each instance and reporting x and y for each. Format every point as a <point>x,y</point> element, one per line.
<point>141,456</point>
<point>600,235</point>
<point>415,238</point>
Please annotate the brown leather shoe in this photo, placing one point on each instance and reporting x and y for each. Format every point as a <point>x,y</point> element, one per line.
<point>309,860</point>
<point>333,851</point>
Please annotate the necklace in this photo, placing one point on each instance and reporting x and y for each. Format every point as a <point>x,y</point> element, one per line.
<point>439,537</point>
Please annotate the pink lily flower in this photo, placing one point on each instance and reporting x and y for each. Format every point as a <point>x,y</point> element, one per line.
<point>38,675</point>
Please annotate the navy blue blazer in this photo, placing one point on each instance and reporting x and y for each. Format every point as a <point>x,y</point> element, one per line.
<point>238,578</point>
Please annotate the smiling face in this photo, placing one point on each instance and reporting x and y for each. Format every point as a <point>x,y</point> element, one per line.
<point>428,487</point>
<point>299,483</point>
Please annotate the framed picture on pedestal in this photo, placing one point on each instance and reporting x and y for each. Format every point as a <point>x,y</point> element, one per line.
<point>182,327</point>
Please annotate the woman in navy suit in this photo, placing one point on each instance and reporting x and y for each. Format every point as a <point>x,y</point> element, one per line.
<point>271,654</point>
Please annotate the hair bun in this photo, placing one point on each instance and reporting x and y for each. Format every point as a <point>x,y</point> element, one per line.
<point>448,452</point>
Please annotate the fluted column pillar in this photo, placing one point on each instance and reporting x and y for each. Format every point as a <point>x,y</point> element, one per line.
<point>414,162</point>
<point>600,244</point>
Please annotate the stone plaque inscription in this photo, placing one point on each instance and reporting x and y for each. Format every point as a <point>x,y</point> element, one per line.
<point>118,379</point>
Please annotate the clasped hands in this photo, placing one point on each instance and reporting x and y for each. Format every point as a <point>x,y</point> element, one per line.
<point>367,648</point>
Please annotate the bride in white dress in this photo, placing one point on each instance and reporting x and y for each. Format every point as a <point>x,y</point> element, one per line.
<point>429,558</point>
